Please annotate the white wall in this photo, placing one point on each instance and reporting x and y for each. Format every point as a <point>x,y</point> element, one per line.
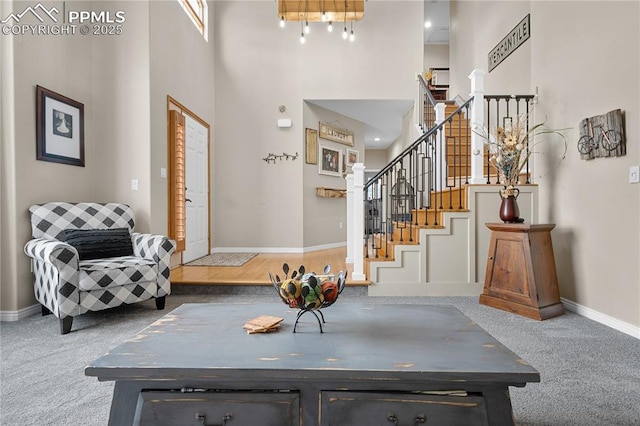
<point>436,56</point>
<point>376,159</point>
<point>323,216</point>
<point>261,67</point>
<point>595,209</point>
<point>476,28</point>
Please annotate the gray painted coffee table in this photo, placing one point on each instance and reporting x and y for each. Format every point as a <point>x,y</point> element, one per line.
<point>373,365</point>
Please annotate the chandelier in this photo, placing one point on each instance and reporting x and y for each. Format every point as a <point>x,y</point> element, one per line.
<point>329,12</point>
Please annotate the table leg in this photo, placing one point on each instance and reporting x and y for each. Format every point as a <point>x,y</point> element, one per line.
<point>123,406</point>
<point>498,403</point>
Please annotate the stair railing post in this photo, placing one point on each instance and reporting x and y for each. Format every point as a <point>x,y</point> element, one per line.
<point>351,242</point>
<point>477,121</point>
<point>441,178</point>
<point>358,222</point>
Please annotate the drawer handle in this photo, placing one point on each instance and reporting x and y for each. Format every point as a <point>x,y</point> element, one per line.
<point>420,419</point>
<point>203,419</point>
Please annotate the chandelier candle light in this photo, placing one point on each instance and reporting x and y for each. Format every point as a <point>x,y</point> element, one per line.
<point>510,147</point>
<point>324,11</point>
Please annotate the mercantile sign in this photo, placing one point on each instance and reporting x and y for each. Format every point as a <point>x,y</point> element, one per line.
<point>510,43</point>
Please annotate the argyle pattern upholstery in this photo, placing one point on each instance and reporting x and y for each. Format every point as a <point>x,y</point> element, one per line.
<point>67,286</point>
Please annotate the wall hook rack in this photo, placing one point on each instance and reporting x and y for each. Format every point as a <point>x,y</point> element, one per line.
<point>271,158</point>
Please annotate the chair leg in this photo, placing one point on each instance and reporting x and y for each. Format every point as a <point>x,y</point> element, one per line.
<point>45,311</point>
<point>160,302</point>
<point>65,325</point>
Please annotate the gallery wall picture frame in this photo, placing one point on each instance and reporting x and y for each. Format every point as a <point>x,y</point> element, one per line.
<point>59,128</point>
<point>330,161</point>
<point>336,134</point>
<point>311,146</point>
<point>351,157</point>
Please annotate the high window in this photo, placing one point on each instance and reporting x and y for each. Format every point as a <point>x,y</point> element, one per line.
<point>197,12</point>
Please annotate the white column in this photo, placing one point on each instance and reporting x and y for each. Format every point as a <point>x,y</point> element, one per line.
<point>350,237</point>
<point>440,138</point>
<point>477,121</point>
<point>358,222</point>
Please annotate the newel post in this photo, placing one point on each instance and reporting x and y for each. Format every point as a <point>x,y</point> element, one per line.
<point>350,218</point>
<point>357,230</point>
<point>441,178</point>
<point>477,121</point>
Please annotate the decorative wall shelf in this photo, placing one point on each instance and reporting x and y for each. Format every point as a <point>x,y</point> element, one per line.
<point>331,193</point>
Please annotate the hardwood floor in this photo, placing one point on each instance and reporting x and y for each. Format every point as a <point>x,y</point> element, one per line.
<point>255,271</point>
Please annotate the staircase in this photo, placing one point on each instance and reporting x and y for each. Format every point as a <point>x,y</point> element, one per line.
<point>425,232</point>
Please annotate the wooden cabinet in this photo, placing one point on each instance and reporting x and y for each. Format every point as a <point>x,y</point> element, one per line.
<point>521,271</point>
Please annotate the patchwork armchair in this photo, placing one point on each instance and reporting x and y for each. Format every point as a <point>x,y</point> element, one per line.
<point>86,257</point>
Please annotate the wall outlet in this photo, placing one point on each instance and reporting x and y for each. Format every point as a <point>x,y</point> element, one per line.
<point>163,172</point>
<point>340,225</point>
<point>134,184</point>
<point>634,174</point>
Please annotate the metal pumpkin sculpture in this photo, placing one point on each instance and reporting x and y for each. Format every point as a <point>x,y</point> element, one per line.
<point>309,292</point>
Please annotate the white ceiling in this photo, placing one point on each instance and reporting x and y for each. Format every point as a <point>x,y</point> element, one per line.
<point>383,118</point>
<point>437,12</point>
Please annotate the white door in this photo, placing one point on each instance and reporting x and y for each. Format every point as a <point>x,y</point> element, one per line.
<point>196,177</point>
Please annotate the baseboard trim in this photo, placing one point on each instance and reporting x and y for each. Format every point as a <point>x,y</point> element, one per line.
<point>256,250</point>
<point>278,249</point>
<point>29,311</point>
<point>324,247</point>
<point>603,319</point>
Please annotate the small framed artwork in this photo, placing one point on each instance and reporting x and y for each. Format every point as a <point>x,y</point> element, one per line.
<point>311,146</point>
<point>59,128</point>
<point>352,157</point>
<point>330,161</point>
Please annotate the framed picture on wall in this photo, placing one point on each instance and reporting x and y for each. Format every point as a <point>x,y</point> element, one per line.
<point>59,128</point>
<point>352,157</point>
<point>330,161</point>
<point>311,146</point>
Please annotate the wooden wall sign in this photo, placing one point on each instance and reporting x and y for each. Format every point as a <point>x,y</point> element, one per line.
<point>602,136</point>
<point>311,146</point>
<point>510,43</point>
<point>336,134</point>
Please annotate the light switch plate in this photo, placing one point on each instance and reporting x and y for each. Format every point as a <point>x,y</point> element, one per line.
<point>634,174</point>
<point>134,184</point>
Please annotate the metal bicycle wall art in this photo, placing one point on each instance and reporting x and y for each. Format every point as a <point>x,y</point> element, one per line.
<point>602,136</point>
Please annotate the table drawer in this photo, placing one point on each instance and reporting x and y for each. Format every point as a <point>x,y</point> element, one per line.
<point>402,409</point>
<point>219,408</point>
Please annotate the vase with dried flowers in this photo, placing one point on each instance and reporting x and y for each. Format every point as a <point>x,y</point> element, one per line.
<point>510,147</point>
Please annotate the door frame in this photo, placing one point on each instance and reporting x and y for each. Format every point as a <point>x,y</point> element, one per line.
<point>173,104</point>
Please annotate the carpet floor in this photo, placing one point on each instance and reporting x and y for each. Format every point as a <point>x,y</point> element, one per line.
<point>590,374</point>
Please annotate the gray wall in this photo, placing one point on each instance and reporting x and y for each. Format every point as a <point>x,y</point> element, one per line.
<point>124,119</point>
<point>262,67</point>
<point>579,72</point>
<point>323,217</point>
<point>181,65</point>
<point>108,76</point>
